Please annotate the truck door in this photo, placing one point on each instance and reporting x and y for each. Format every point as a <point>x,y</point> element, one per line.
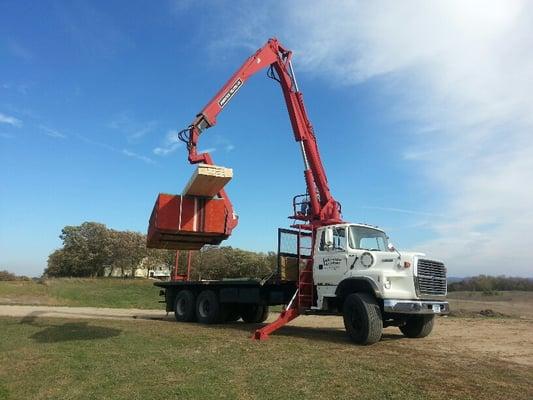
<point>330,260</point>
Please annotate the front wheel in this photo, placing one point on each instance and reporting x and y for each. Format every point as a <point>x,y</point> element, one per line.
<point>362,318</point>
<point>418,326</point>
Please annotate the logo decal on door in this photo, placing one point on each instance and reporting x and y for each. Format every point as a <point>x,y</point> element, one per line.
<point>332,263</point>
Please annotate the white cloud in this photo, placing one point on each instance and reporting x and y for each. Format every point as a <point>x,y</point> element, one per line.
<point>52,132</point>
<point>404,211</point>
<point>165,151</point>
<point>142,131</point>
<point>133,129</point>
<point>170,144</point>
<point>132,154</point>
<point>6,119</point>
<point>112,149</point>
<point>96,143</point>
<point>462,72</point>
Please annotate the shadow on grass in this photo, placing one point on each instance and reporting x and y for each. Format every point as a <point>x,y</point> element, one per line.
<point>69,331</point>
<point>74,331</point>
<point>326,334</point>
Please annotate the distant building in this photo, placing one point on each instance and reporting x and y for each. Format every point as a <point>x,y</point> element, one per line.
<point>161,271</point>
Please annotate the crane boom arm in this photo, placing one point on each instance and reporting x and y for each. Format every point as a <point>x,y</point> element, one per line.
<point>324,209</point>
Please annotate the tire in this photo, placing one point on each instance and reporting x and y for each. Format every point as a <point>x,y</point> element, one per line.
<point>362,318</point>
<point>233,313</point>
<point>254,313</point>
<point>185,306</point>
<point>418,326</point>
<point>208,309</point>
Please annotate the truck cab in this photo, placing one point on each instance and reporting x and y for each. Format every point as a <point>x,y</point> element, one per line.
<point>359,259</point>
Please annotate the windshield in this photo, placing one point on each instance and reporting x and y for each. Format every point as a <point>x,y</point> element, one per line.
<point>365,238</point>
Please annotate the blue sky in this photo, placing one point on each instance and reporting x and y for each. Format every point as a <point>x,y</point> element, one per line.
<point>92,94</point>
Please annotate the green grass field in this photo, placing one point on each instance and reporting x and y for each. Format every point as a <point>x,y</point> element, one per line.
<point>47,358</point>
<point>104,359</point>
<point>100,292</point>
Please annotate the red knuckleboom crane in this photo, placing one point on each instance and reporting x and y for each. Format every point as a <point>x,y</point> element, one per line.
<point>315,208</point>
<point>322,209</point>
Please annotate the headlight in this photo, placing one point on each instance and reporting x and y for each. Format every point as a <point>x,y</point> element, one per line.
<point>367,259</point>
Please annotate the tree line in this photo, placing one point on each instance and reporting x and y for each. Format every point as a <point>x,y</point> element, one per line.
<point>5,275</point>
<point>91,249</point>
<point>486,283</point>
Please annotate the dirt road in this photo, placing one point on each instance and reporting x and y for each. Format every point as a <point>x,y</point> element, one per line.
<point>506,339</point>
<point>79,312</point>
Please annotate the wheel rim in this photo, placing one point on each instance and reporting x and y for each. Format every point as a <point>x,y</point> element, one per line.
<point>180,307</point>
<point>203,308</point>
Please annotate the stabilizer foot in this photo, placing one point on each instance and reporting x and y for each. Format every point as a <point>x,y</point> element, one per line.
<point>284,318</point>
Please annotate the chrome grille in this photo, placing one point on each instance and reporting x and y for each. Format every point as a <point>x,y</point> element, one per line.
<point>430,278</point>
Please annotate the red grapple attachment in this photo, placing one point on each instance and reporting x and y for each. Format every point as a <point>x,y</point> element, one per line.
<point>186,222</point>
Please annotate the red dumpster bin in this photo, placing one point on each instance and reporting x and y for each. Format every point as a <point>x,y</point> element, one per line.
<point>186,222</point>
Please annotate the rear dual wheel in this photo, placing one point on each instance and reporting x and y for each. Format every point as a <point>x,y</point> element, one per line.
<point>254,313</point>
<point>233,313</point>
<point>185,306</point>
<point>209,310</point>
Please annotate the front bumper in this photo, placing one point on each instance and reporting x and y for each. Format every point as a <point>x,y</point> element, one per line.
<point>416,306</point>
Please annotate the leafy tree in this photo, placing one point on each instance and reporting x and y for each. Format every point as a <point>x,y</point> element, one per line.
<point>58,264</point>
<point>7,276</point>
<point>226,262</point>
<point>88,249</point>
<point>126,250</point>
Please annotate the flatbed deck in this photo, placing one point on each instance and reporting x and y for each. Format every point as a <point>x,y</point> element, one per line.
<point>232,291</point>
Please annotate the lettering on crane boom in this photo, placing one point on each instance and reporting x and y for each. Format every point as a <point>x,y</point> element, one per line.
<point>229,94</point>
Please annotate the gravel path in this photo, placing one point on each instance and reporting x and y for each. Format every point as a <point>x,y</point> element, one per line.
<point>80,312</point>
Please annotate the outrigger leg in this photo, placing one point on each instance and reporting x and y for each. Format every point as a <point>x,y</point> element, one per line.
<point>286,316</point>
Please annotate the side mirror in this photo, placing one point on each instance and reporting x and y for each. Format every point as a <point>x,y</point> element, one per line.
<point>328,237</point>
<point>391,247</point>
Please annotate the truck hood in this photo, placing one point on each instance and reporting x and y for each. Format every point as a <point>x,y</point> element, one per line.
<point>409,255</point>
